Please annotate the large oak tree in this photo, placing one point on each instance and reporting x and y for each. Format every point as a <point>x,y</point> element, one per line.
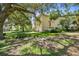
<point>6,10</point>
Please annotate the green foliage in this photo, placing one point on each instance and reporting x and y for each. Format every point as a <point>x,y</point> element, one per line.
<point>53,16</point>
<point>3,47</point>
<point>66,42</point>
<point>19,35</point>
<point>2,52</point>
<point>69,24</point>
<point>54,30</point>
<point>34,49</point>
<point>2,44</point>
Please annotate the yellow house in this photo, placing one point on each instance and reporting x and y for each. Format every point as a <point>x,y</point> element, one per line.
<point>45,22</point>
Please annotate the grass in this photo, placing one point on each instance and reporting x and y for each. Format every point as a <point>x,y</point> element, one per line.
<point>67,42</point>
<point>33,50</point>
<point>31,47</point>
<point>3,47</point>
<point>28,34</point>
<point>2,44</point>
<point>37,50</point>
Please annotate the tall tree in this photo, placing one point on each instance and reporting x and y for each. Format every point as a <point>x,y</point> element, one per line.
<point>6,10</point>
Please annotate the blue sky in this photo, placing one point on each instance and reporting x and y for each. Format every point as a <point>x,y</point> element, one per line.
<point>50,8</point>
<point>61,7</point>
<point>74,8</point>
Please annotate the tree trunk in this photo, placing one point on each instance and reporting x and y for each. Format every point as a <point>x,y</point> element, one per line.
<point>1,30</point>
<point>77,22</point>
<point>3,15</point>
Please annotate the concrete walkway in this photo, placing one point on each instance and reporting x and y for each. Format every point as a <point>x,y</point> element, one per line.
<point>72,33</point>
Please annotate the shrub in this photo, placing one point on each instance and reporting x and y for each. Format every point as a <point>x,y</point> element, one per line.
<point>54,30</point>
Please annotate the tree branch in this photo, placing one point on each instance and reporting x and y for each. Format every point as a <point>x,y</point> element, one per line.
<point>21,8</point>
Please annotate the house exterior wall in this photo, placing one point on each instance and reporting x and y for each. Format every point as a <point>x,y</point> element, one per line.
<point>45,25</point>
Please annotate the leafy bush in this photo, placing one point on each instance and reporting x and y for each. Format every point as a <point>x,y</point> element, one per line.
<point>54,30</point>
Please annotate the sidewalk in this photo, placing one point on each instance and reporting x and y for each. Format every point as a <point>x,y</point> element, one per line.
<point>72,33</point>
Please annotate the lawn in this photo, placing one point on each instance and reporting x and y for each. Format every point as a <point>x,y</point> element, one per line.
<point>28,34</point>
<point>35,46</point>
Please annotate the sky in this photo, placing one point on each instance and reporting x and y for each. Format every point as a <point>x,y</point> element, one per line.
<point>61,7</point>
<point>74,8</point>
